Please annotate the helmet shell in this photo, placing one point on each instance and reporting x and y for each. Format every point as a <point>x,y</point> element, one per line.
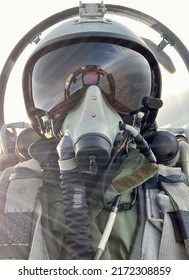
<point>73,28</point>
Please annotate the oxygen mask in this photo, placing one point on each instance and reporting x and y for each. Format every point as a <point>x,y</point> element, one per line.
<point>95,106</point>
<point>93,125</point>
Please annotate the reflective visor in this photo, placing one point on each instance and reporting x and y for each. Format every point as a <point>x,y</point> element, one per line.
<point>130,70</point>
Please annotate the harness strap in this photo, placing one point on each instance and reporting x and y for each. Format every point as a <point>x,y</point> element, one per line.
<point>21,195</point>
<point>38,247</point>
<point>4,182</point>
<point>169,248</point>
<point>168,193</point>
<point>179,196</point>
<point>15,235</point>
<point>135,253</point>
<point>151,232</point>
<point>20,191</point>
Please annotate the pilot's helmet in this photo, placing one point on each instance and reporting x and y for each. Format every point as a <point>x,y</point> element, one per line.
<point>84,51</point>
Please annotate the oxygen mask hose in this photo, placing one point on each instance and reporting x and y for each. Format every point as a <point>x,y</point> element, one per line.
<point>78,235</point>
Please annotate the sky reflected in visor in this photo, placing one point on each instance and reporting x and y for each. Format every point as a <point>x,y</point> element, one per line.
<point>130,70</point>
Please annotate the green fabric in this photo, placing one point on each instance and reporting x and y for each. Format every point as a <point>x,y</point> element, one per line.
<point>121,237</point>
<point>133,172</point>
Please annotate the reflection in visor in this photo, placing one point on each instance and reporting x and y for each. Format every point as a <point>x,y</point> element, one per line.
<point>91,75</point>
<point>130,70</point>
<point>90,78</point>
<point>86,76</point>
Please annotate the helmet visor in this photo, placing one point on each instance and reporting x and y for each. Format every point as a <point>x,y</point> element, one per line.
<point>130,70</point>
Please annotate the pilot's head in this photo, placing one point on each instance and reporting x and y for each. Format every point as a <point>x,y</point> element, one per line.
<point>84,78</point>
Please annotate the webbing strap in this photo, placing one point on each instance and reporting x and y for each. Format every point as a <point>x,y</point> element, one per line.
<point>4,182</point>
<point>19,192</point>
<point>151,241</point>
<point>15,232</point>
<point>151,233</point>
<point>136,253</point>
<point>179,196</point>
<point>169,248</point>
<point>21,195</point>
<point>160,233</point>
<point>38,248</point>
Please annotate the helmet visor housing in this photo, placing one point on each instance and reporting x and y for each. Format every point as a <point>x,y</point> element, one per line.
<point>52,65</point>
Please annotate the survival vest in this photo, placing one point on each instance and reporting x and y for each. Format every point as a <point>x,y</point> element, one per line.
<point>32,223</point>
